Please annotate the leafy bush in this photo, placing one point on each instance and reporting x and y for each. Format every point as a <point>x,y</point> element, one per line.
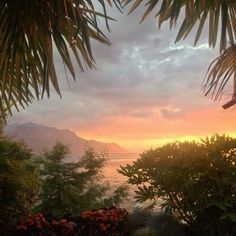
<point>138,219</point>
<point>146,223</point>
<point>166,225</point>
<point>104,222</point>
<point>196,182</point>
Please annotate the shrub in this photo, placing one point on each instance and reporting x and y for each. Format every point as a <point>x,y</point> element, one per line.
<point>196,182</point>
<point>166,225</point>
<point>138,219</point>
<point>104,222</point>
<point>143,223</point>
<point>39,225</point>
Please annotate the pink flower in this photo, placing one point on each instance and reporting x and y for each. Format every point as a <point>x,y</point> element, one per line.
<point>21,227</point>
<point>62,221</point>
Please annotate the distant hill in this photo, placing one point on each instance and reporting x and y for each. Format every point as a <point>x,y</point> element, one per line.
<point>40,138</point>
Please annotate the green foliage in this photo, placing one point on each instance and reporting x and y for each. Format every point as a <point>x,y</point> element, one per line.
<point>19,181</point>
<point>69,188</point>
<point>196,181</point>
<point>117,197</point>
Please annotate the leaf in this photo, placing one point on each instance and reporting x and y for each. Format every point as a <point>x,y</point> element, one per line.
<point>26,45</point>
<point>220,72</point>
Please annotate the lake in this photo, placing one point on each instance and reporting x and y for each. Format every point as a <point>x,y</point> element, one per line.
<point>112,164</point>
<point>115,179</point>
<point>111,175</point>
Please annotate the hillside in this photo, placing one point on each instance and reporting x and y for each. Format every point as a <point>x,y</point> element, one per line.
<point>40,138</point>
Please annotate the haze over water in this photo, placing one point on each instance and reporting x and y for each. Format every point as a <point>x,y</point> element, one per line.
<point>111,175</point>
<point>115,179</point>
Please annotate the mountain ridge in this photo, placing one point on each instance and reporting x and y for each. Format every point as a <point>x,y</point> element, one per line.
<point>41,138</point>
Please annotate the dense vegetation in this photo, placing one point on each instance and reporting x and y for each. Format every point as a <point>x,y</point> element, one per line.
<point>196,182</point>
<point>49,184</point>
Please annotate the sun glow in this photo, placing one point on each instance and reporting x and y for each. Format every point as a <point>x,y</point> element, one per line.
<point>139,145</point>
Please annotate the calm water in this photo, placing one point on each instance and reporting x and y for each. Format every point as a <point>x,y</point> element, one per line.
<point>112,164</point>
<point>110,170</point>
<point>115,179</point>
<point>111,175</point>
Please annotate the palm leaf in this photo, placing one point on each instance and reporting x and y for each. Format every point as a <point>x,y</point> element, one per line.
<point>29,29</point>
<point>219,14</point>
<point>194,11</point>
<point>220,71</point>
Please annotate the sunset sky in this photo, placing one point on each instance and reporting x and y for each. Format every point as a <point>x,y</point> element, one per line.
<point>146,90</point>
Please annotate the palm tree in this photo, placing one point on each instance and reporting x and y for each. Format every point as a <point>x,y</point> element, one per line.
<point>220,14</point>
<point>30,33</point>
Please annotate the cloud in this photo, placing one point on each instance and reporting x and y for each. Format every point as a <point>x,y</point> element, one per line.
<point>142,77</point>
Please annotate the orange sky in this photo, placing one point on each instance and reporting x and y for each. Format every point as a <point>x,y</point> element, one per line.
<point>138,134</point>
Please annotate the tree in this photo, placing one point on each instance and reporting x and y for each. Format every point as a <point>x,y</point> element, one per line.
<point>196,182</point>
<point>19,181</point>
<point>221,15</point>
<point>69,188</point>
<point>29,32</point>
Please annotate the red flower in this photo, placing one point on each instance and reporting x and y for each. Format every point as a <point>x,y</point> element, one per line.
<point>38,226</point>
<point>21,227</point>
<point>29,221</point>
<point>53,222</point>
<point>40,215</point>
<point>62,221</point>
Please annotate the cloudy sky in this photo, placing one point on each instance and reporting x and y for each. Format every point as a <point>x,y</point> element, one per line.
<point>145,90</point>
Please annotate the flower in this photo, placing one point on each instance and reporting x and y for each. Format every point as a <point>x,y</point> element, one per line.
<point>21,227</point>
<point>62,221</point>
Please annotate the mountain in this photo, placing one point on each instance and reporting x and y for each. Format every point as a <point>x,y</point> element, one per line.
<point>40,138</point>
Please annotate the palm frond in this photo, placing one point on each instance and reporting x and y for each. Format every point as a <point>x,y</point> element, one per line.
<point>29,29</point>
<point>221,15</point>
<point>220,71</point>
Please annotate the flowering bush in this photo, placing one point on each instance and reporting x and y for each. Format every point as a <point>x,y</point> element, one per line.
<point>38,225</point>
<point>104,222</point>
